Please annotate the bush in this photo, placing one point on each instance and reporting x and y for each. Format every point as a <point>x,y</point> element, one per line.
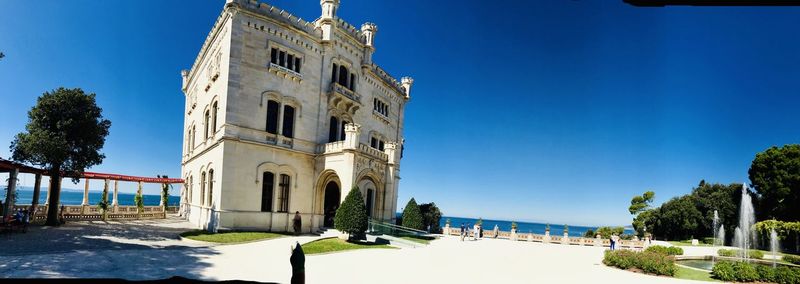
<point>723,270</point>
<point>765,273</point>
<point>665,250</point>
<point>412,216</point>
<point>757,254</point>
<point>745,272</point>
<point>708,241</point>
<point>786,275</point>
<point>791,259</point>
<point>351,217</point>
<point>649,262</point>
<point>589,234</point>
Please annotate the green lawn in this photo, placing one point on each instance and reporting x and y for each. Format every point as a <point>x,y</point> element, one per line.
<point>336,244</point>
<point>421,240</point>
<point>692,274</point>
<point>229,237</point>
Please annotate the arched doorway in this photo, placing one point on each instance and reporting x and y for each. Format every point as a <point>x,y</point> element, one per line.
<point>332,199</point>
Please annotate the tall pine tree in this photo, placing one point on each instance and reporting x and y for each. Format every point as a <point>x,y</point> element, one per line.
<point>412,216</point>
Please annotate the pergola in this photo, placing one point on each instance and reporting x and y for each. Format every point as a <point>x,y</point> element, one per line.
<point>14,169</point>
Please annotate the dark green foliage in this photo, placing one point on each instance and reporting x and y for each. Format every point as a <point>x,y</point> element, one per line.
<point>351,217</point>
<point>165,192</point>
<point>412,216</point>
<point>765,273</point>
<point>723,270</point>
<point>708,241</point>
<point>791,259</point>
<point>665,250</point>
<point>723,198</point>
<point>727,252</point>
<point>138,200</point>
<point>606,232</point>
<point>431,216</point>
<point>745,272</point>
<point>589,234</point>
<point>649,262</point>
<point>787,275</point>
<point>566,229</point>
<point>103,204</point>
<point>775,175</point>
<point>513,225</point>
<point>641,203</point>
<point>65,133</point>
<point>757,254</point>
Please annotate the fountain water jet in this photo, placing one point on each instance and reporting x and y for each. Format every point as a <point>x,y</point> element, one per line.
<point>774,246</point>
<point>714,227</point>
<point>745,235</point>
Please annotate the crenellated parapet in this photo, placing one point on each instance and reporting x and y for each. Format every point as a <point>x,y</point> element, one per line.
<point>388,79</point>
<point>278,14</point>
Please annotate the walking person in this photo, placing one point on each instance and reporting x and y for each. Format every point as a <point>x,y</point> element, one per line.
<point>613,241</point>
<point>297,222</point>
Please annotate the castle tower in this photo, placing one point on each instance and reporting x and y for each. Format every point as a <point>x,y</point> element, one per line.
<point>326,20</point>
<point>369,30</point>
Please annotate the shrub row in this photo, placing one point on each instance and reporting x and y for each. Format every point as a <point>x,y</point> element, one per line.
<point>746,272</point>
<point>757,254</point>
<point>791,259</point>
<point>649,262</point>
<point>666,250</point>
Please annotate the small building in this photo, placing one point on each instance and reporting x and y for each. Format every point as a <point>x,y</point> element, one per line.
<point>284,115</point>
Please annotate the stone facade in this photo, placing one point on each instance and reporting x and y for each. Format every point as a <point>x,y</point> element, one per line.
<point>284,115</point>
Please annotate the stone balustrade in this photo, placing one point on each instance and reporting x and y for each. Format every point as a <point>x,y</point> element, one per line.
<point>529,237</point>
<point>366,149</point>
<point>92,213</point>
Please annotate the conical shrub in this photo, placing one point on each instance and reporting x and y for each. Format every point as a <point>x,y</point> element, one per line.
<point>351,217</point>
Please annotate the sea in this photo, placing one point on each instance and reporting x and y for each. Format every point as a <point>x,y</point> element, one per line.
<point>523,227</point>
<point>75,197</point>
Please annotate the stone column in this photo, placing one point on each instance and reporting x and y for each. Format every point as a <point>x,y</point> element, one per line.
<point>37,188</point>
<point>10,190</point>
<point>513,234</point>
<point>105,197</point>
<point>85,193</point>
<point>565,239</point>
<point>115,203</point>
<point>47,199</point>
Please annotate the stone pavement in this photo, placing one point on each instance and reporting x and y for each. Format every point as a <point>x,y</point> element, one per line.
<point>151,250</point>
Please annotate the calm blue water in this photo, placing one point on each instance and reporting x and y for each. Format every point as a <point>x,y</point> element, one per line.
<point>522,227</point>
<point>70,197</point>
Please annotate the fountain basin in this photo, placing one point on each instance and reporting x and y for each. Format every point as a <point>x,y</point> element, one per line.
<point>707,262</point>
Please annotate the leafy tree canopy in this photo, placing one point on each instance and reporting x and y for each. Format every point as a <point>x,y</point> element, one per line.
<point>775,175</point>
<point>641,203</point>
<point>431,216</point>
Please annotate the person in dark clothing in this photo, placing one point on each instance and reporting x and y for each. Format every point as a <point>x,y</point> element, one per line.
<point>297,222</point>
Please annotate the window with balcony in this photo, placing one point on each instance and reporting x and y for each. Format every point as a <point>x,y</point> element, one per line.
<point>380,107</point>
<point>288,121</point>
<point>286,59</point>
<point>342,76</point>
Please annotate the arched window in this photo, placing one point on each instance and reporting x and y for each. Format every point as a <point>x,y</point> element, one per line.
<point>267,184</point>
<point>352,82</point>
<point>344,135</point>
<point>210,187</point>
<point>202,187</point>
<point>343,74</point>
<point>205,119</point>
<point>288,121</point>
<point>335,72</point>
<point>214,110</point>
<point>193,133</point>
<point>334,130</point>
<point>272,116</point>
<point>283,195</point>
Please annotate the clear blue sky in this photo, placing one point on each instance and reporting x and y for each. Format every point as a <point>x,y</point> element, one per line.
<point>555,111</point>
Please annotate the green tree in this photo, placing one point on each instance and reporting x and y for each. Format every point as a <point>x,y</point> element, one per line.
<point>412,216</point>
<point>431,216</point>
<point>640,208</point>
<point>775,175</point>
<point>678,218</point>
<point>351,217</point>
<point>64,135</point>
<point>606,232</point>
<point>722,198</point>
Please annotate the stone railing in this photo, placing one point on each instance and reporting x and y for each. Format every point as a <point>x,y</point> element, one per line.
<point>344,91</point>
<point>579,241</point>
<point>92,213</point>
<point>332,147</point>
<point>366,149</point>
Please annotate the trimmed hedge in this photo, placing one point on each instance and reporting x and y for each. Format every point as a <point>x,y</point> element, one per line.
<point>665,250</point>
<point>746,272</point>
<point>649,262</point>
<point>735,253</point>
<point>791,259</point>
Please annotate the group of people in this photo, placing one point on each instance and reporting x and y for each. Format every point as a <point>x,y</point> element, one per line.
<point>477,231</point>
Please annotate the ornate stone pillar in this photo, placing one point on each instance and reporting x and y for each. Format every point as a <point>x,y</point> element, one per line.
<point>12,187</point>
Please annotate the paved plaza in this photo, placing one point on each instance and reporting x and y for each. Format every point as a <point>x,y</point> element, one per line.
<point>152,250</point>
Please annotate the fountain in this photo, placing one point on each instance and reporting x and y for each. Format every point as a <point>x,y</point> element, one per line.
<point>721,236</point>
<point>714,227</point>
<point>744,234</point>
<point>774,246</point>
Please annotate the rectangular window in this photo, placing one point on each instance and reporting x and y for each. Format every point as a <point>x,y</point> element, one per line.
<point>353,82</point>
<point>267,184</point>
<point>272,117</point>
<point>297,64</point>
<point>288,121</point>
<point>334,74</point>
<point>373,142</point>
<point>343,133</point>
<point>333,130</point>
<point>282,58</point>
<point>283,198</point>
<point>290,62</point>
<point>380,145</point>
<point>274,56</point>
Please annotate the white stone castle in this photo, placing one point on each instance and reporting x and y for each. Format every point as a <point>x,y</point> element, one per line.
<point>284,115</point>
